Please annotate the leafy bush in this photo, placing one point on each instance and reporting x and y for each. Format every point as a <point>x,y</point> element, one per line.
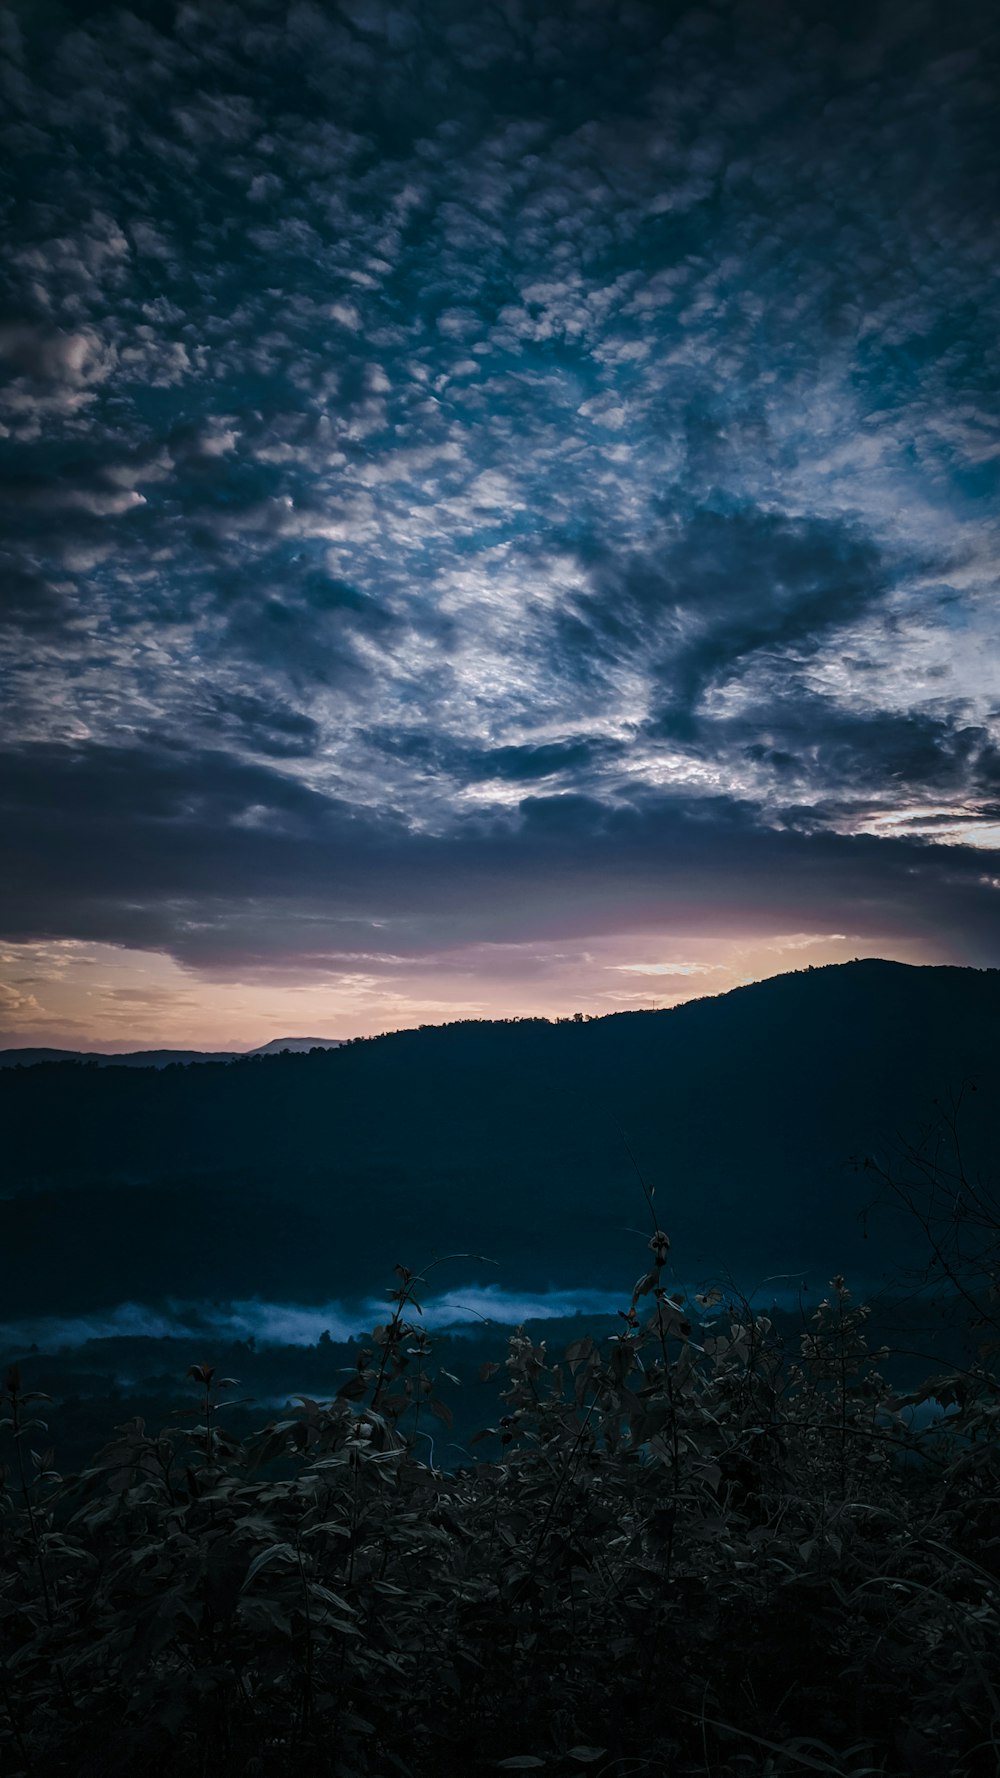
<point>682,1549</point>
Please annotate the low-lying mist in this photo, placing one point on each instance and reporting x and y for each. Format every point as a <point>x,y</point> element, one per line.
<point>271,1324</point>
<point>295,1324</point>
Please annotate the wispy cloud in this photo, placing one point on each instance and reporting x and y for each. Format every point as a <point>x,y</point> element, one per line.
<point>435,447</point>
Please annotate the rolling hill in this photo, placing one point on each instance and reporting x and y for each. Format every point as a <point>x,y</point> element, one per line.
<point>301,1177</point>
<point>30,1058</point>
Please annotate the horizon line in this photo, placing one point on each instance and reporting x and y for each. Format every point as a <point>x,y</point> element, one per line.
<point>226,1052</point>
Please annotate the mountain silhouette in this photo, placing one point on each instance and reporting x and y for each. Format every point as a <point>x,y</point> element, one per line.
<point>303,1177</point>
<point>29,1058</point>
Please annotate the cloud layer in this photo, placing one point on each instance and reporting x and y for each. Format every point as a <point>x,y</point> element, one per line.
<point>497,479</point>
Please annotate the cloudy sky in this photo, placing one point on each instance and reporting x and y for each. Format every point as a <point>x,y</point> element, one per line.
<point>499,506</point>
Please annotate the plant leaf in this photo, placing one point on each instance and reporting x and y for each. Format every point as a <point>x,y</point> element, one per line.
<point>276,1552</point>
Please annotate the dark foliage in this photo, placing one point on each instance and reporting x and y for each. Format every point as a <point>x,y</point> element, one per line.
<point>684,1549</point>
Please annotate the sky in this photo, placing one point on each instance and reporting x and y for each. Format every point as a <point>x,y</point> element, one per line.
<point>499,507</point>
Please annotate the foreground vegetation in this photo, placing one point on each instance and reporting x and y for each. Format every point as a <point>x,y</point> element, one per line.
<point>683,1550</point>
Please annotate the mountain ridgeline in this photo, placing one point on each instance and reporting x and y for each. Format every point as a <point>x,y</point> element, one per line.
<point>301,1177</point>
<point>30,1058</point>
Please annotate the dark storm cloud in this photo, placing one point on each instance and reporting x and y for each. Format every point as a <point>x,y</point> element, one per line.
<point>27,602</point>
<point>911,752</point>
<point>233,867</point>
<point>718,588</point>
<point>260,725</point>
<point>406,406</point>
<point>439,756</point>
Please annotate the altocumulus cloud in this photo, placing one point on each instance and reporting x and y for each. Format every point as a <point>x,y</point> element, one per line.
<point>480,478</point>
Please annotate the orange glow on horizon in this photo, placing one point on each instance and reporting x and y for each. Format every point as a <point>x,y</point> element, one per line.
<point>72,995</point>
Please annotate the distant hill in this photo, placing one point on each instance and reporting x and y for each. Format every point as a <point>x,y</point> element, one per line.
<point>28,1058</point>
<point>299,1178</point>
